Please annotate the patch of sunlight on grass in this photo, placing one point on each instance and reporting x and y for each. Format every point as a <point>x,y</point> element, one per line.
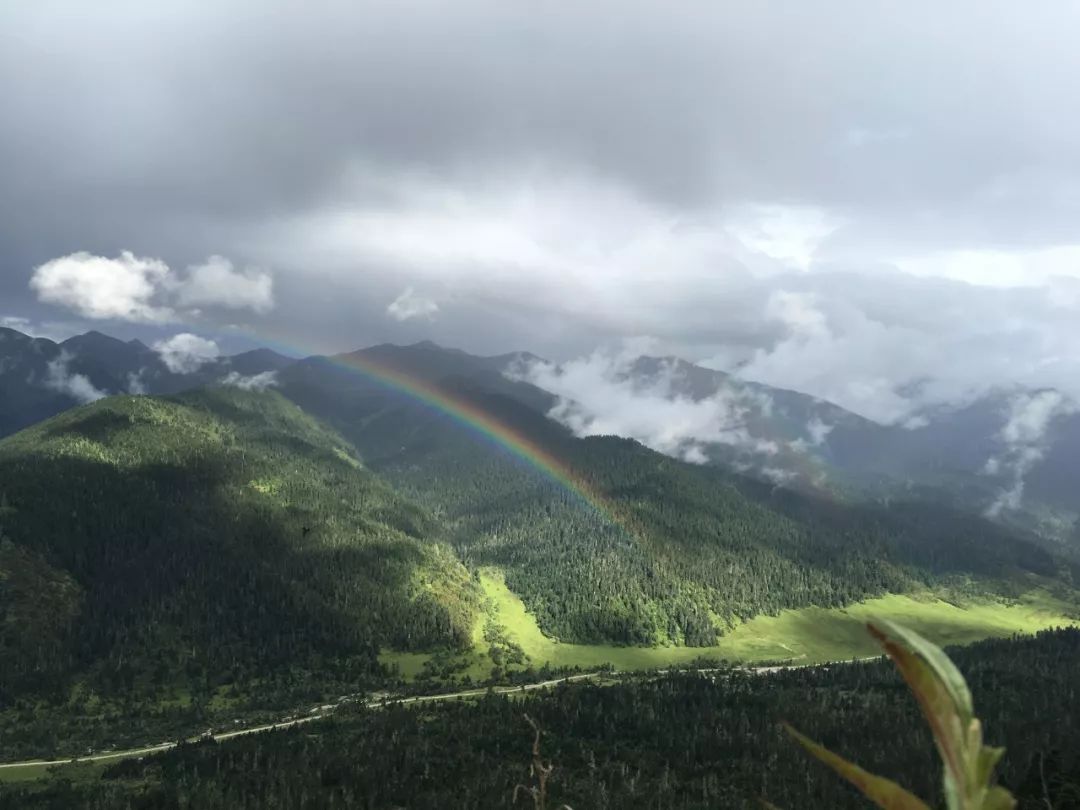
<point>408,664</point>
<point>347,458</point>
<point>74,771</point>
<point>807,635</point>
<point>268,486</point>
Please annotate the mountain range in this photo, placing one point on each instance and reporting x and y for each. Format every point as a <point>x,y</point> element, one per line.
<point>261,530</point>
<point>1011,454</point>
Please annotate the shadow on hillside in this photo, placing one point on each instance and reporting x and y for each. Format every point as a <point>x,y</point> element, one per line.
<point>182,569</point>
<point>97,426</point>
<point>931,535</point>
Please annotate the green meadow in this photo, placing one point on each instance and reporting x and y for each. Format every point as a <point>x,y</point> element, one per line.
<point>74,771</point>
<point>805,636</point>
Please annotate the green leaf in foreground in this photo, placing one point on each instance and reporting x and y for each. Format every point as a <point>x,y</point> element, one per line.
<point>883,792</point>
<point>945,700</point>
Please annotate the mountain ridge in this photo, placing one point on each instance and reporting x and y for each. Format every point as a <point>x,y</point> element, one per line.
<point>255,549</point>
<point>791,438</point>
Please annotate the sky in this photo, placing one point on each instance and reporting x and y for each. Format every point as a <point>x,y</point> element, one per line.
<point>873,203</point>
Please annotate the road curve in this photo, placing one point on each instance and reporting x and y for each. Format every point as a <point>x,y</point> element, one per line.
<point>328,709</point>
<point>324,711</point>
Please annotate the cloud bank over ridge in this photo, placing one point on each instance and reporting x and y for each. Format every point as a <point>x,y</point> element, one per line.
<point>776,191</point>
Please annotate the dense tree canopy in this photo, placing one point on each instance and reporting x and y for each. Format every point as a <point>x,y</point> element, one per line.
<point>154,547</point>
<point>172,562</point>
<point>678,741</point>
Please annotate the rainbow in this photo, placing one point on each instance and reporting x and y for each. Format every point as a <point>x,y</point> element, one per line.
<point>486,426</point>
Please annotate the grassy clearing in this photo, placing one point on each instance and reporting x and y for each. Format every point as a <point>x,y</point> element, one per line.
<point>26,773</point>
<point>73,771</point>
<point>807,635</point>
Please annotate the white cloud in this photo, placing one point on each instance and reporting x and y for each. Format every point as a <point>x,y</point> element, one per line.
<point>1030,415</point>
<point>18,324</point>
<point>998,268</point>
<point>585,251</point>
<point>50,330</point>
<point>789,234</point>
<point>694,454</point>
<point>784,294</point>
<point>778,475</point>
<point>818,431</point>
<point>77,386</point>
<point>1024,436</point>
<point>135,383</point>
<point>835,352</point>
<point>142,290</point>
<point>779,293</point>
<point>599,395</point>
<point>409,305</point>
<point>890,346</point>
<point>799,313</point>
<point>915,422</point>
<point>186,353</point>
<point>100,288</point>
<point>217,283</point>
<point>578,193</point>
<point>256,382</point>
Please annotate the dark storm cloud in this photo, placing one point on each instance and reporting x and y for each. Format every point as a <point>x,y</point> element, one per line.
<point>770,183</point>
<point>226,108</point>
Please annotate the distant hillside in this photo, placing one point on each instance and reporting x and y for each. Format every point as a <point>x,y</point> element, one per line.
<point>40,378</point>
<point>959,457</point>
<point>680,742</point>
<point>221,552</point>
<point>813,447</point>
<point>213,538</point>
<point>27,395</point>
<point>692,548</point>
<point>1011,453</point>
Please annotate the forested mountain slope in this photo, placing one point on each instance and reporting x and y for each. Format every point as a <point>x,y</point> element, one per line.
<point>680,742</point>
<point>971,454</point>
<point>959,457</point>
<point>677,553</point>
<point>221,552</point>
<point>26,395</point>
<point>215,537</point>
<point>40,378</point>
<point>683,552</point>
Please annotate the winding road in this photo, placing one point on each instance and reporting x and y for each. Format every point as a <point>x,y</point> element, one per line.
<point>324,711</point>
<point>320,713</point>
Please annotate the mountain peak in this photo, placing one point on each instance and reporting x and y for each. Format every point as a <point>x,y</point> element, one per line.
<point>96,339</point>
<point>505,361</point>
<point>256,361</point>
<point>7,333</point>
<point>432,346</point>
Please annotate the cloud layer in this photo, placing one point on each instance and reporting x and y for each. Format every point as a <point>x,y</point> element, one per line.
<point>140,290</point>
<point>77,386</point>
<point>782,191</point>
<point>99,288</point>
<point>601,395</point>
<point>1024,437</point>
<point>410,305</point>
<point>254,382</point>
<point>217,283</point>
<point>186,353</point>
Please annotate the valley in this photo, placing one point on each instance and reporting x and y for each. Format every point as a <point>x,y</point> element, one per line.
<point>699,739</point>
<point>410,521</point>
<point>560,406</point>
<point>804,636</point>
